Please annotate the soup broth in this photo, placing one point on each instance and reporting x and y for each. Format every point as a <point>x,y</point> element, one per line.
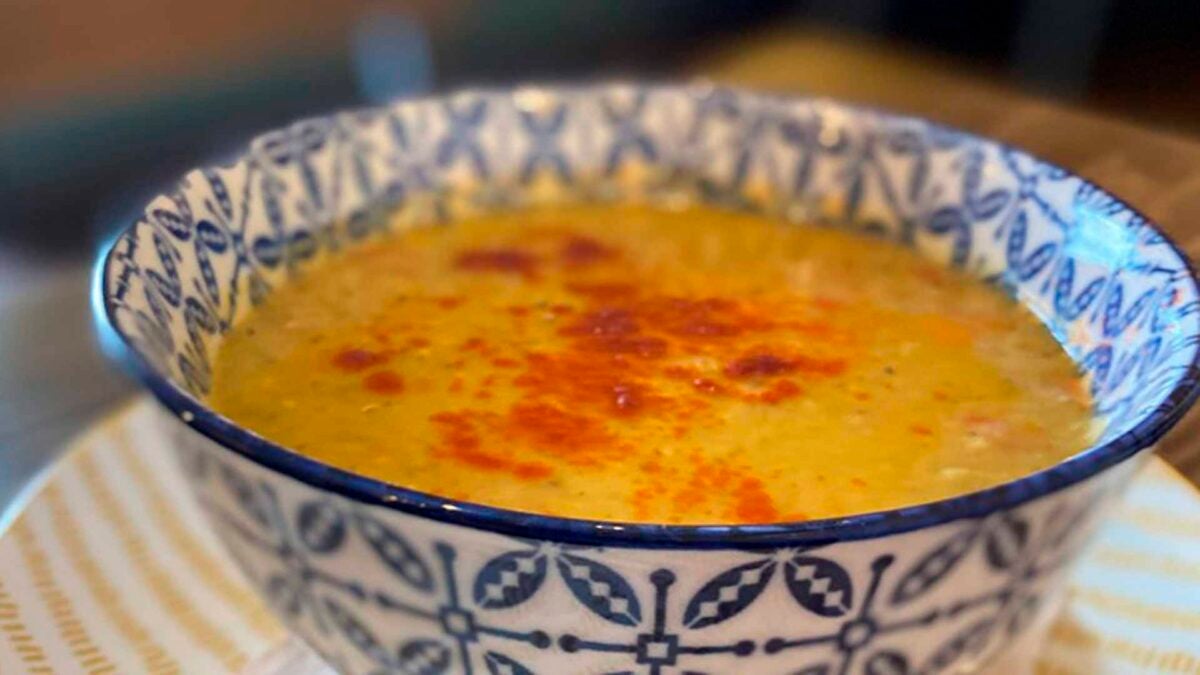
<point>634,363</point>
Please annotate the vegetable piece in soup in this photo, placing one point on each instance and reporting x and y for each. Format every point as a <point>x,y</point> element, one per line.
<point>637,364</point>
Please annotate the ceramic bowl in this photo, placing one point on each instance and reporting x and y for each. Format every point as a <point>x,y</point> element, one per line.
<point>380,579</point>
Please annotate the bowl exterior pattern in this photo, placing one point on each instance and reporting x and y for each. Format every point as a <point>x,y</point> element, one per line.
<point>374,590</point>
<point>382,580</point>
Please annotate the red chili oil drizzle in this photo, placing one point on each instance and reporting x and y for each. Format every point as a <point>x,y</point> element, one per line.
<point>579,250</point>
<point>353,360</point>
<point>623,344</point>
<point>505,260</point>
<point>384,382</point>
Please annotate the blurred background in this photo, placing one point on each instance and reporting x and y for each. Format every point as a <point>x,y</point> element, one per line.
<point>102,102</point>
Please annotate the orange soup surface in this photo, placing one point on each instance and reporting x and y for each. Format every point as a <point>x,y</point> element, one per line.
<point>640,364</point>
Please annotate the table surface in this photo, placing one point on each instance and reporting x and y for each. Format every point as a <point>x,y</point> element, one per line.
<point>55,381</point>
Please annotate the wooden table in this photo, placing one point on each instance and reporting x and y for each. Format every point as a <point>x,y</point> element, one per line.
<point>1157,172</point>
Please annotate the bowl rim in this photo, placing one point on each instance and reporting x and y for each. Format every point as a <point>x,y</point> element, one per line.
<point>576,531</point>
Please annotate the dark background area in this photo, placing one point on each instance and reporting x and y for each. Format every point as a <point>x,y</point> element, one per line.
<point>103,102</point>
<point>83,132</point>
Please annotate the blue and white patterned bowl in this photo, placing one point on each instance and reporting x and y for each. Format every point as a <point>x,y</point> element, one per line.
<point>381,579</point>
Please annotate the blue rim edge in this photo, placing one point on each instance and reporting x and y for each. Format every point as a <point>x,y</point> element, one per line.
<point>575,531</point>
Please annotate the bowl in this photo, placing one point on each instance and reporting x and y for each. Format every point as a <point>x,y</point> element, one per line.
<point>381,579</point>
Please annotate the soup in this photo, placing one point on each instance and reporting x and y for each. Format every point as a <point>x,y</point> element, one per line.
<point>633,363</point>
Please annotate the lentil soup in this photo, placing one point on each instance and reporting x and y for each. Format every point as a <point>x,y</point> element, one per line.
<point>641,364</point>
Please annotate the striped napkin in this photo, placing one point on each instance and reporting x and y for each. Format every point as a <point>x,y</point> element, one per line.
<point>110,569</point>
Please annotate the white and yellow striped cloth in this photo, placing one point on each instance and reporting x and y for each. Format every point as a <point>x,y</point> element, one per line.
<point>109,569</point>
